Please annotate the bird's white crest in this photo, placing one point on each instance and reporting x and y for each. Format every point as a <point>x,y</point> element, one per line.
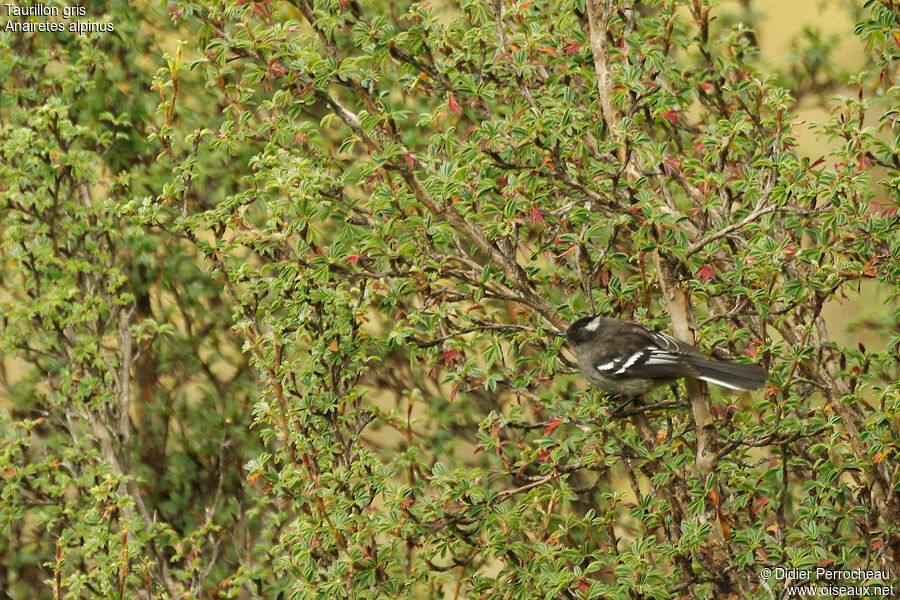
<point>593,325</point>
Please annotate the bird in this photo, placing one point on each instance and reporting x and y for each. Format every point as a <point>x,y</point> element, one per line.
<point>625,358</point>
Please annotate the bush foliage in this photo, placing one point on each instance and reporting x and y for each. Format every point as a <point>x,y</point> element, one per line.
<point>278,301</point>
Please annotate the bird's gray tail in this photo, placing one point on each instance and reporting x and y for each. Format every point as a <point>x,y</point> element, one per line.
<point>734,376</point>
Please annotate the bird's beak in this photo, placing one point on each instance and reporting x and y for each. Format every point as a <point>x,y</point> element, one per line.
<point>561,334</point>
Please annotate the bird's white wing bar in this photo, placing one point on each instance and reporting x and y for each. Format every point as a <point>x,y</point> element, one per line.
<point>620,364</point>
<point>631,360</point>
<point>608,367</point>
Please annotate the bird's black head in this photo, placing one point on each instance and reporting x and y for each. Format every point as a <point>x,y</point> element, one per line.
<point>583,329</point>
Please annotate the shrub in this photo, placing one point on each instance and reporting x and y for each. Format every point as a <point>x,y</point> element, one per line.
<point>284,310</point>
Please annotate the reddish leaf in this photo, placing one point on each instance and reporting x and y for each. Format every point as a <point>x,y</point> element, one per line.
<point>522,470</point>
<point>551,425</point>
<point>500,446</point>
<point>536,216</point>
<point>789,250</point>
<point>670,115</point>
<point>453,394</point>
<point>572,48</point>
<point>760,504</point>
<point>671,166</point>
<point>353,259</point>
<point>454,106</point>
<point>877,544</point>
<point>450,356</point>
<point>276,69</point>
<point>604,277</point>
<point>868,271</point>
<point>705,273</point>
<point>410,161</point>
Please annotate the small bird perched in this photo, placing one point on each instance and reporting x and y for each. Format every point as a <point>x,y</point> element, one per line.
<point>628,359</point>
